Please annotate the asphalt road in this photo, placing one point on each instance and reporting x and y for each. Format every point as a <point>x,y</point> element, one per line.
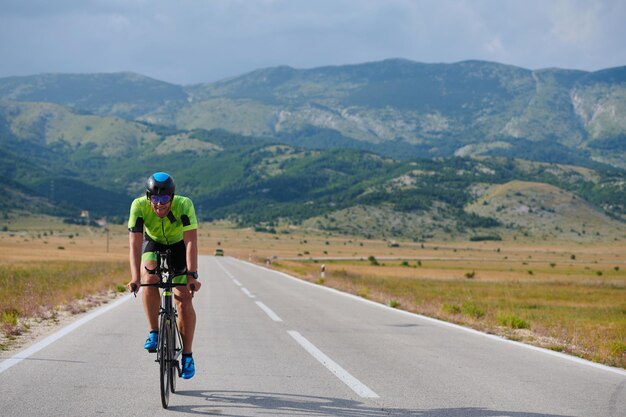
<point>270,345</point>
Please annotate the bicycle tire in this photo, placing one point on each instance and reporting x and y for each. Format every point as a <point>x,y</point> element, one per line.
<point>164,362</point>
<point>172,352</point>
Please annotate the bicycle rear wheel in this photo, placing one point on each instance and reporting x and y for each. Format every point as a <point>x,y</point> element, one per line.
<point>164,362</point>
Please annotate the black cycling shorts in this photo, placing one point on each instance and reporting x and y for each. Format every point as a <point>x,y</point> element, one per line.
<point>179,253</point>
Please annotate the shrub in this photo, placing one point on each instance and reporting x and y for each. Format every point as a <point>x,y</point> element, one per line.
<point>473,310</point>
<point>451,308</point>
<point>485,237</point>
<point>394,303</point>
<point>512,321</point>
<point>9,323</point>
<point>373,260</point>
<point>10,318</point>
<point>618,348</point>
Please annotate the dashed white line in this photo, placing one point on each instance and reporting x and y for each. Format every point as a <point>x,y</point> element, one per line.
<point>224,269</point>
<point>248,293</point>
<point>227,272</point>
<point>354,384</point>
<point>268,311</point>
<point>344,376</point>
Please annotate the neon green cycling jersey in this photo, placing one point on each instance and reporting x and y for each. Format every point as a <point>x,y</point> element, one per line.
<point>167,230</point>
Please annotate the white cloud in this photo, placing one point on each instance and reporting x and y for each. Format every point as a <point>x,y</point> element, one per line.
<point>494,46</point>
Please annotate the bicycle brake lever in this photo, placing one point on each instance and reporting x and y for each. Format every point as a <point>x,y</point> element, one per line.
<point>133,288</point>
<point>193,289</point>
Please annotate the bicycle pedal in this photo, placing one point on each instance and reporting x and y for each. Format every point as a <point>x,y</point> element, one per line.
<point>151,350</point>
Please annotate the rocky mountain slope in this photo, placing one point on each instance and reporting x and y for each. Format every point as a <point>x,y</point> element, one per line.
<point>396,107</point>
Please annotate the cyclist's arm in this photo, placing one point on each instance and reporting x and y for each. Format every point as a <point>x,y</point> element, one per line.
<point>191,245</point>
<point>135,237</point>
<point>135,240</point>
<point>190,238</point>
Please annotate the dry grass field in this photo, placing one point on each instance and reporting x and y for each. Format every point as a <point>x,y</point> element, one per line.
<point>568,297</point>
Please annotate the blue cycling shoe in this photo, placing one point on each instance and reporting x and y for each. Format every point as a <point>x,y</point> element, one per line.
<point>189,368</point>
<point>151,342</point>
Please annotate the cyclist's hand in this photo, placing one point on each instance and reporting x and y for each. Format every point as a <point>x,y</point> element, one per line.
<point>133,286</point>
<point>192,281</point>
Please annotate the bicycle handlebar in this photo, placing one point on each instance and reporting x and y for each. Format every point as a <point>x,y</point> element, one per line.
<point>161,285</point>
<point>159,271</point>
<point>164,285</point>
<point>163,257</point>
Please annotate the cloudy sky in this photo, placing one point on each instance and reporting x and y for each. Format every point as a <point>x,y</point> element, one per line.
<point>193,41</point>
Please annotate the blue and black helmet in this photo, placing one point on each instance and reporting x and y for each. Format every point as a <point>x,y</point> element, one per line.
<point>160,183</point>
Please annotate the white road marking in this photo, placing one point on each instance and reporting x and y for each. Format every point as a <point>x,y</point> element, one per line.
<point>268,311</point>
<point>224,269</point>
<point>235,280</point>
<point>354,384</point>
<point>20,356</point>
<point>227,272</point>
<point>247,292</point>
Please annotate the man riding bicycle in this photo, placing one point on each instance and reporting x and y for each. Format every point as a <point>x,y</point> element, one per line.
<point>158,221</point>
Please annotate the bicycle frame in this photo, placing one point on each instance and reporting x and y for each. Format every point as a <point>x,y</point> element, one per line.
<point>170,344</point>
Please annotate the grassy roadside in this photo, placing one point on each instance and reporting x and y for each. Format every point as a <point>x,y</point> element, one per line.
<point>35,291</point>
<point>573,309</point>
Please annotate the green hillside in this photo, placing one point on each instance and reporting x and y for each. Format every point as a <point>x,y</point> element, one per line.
<point>393,148</point>
<point>260,182</point>
<point>472,107</point>
<point>54,125</point>
<point>544,210</point>
<point>125,94</point>
<point>396,108</point>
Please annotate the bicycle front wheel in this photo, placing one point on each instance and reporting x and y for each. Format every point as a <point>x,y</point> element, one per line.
<point>172,350</point>
<point>164,361</point>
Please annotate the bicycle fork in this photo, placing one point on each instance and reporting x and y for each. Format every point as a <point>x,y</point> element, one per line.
<point>169,321</point>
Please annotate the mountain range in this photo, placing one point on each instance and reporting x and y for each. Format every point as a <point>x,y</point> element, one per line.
<point>303,145</point>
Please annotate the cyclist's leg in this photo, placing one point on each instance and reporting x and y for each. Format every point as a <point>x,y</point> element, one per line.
<point>182,295</point>
<point>187,327</point>
<point>186,317</point>
<point>151,297</point>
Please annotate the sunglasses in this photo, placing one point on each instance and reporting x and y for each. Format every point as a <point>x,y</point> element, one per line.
<point>160,199</point>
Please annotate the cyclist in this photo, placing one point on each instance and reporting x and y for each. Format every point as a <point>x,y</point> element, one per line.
<point>158,221</point>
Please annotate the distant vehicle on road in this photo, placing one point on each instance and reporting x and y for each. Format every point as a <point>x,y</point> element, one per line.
<point>219,252</point>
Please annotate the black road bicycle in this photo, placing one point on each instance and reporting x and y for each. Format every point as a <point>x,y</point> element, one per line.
<point>169,348</point>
